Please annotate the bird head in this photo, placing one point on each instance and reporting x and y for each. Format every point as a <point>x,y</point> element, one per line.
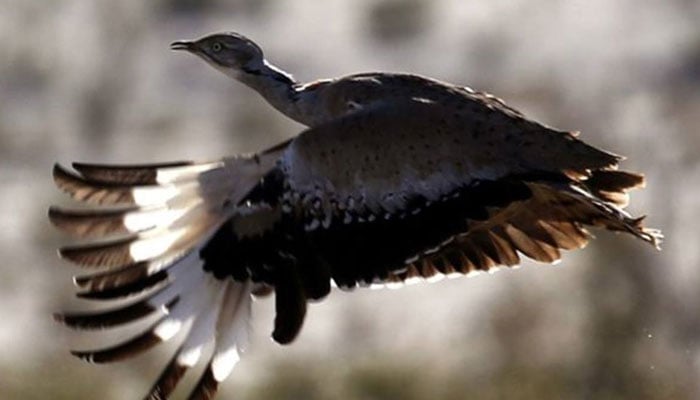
<point>231,53</point>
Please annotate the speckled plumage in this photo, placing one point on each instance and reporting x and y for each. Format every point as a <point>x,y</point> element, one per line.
<point>397,178</point>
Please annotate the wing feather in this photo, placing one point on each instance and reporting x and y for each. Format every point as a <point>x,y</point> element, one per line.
<point>539,227</point>
<point>434,151</point>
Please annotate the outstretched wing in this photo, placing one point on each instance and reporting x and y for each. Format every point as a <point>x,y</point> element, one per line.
<point>147,235</point>
<point>414,188</point>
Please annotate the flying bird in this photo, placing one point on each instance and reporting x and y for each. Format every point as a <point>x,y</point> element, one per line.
<point>397,178</point>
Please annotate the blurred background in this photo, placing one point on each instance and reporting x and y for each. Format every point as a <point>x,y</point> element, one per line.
<point>95,81</point>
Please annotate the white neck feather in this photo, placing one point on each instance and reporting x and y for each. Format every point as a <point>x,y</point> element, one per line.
<point>276,86</point>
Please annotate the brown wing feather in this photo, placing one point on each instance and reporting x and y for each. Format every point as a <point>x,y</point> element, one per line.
<point>539,227</point>
<point>144,174</point>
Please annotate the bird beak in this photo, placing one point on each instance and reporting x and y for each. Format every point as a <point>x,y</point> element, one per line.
<point>182,45</point>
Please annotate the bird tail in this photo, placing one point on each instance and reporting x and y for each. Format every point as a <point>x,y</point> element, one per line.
<point>142,230</point>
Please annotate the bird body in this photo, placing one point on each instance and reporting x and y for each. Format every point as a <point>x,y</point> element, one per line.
<point>397,178</point>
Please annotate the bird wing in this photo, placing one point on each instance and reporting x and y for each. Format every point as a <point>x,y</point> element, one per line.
<point>490,223</point>
<point>550,217</point>
<point>372,162</point>
<point>405,188</point>
<point>152,235</point>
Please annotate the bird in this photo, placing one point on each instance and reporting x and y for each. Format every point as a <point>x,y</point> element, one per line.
<point>396,178</point>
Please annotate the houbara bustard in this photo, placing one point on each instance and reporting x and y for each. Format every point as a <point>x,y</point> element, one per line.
<point>398,178</point>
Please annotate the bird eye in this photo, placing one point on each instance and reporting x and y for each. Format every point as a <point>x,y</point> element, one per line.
<point>216,47</point>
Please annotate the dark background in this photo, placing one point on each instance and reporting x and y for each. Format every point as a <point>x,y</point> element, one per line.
<point>95,81</point>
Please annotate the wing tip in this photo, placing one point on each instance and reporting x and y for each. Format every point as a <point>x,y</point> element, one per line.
<point>121,285</point>
<point>62,175</point>
<point>167,381</point>
<point>83,355</point>
<point>58,317</point>
<point>111,254</point>
<point>121,351</point>
<point>102,319</point>
<point>206,387</point>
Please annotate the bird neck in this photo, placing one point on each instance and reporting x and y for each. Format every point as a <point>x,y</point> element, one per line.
<point>279,88</point>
